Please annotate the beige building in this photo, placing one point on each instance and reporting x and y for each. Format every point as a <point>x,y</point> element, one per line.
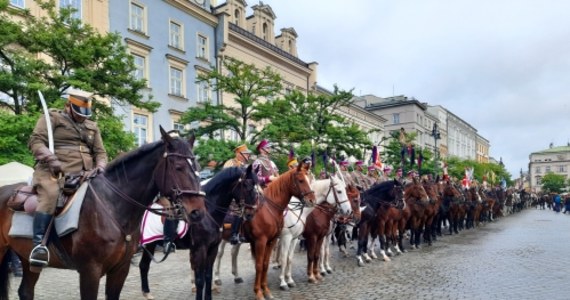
<point>251,39</point>
<point>482,151</point>
<point>552,160</point>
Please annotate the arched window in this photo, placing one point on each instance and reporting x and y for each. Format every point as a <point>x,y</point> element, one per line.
<point>236,17</point>
<point>265,31</point>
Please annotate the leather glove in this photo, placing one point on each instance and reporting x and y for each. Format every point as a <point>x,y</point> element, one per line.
<point>54,165</point>
<point>100,167</point>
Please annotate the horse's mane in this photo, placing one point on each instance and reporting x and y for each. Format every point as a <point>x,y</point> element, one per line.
<point>280,186</point>
<point>381,188</point>
<point>133,155</point>
<point>221,178</point>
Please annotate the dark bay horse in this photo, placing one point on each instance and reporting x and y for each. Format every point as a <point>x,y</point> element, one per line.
<point>430,212</point>
<point>417,200</point>
<point>374,198</point>
<point>265,227</point>
<point>203,238</point>
<point>110,217</point>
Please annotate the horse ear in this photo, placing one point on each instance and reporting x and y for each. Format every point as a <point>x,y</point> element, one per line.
<point>165,136</point>
<point>191,140</point>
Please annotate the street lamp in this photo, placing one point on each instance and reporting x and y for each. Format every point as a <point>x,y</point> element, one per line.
<point>436,136</point>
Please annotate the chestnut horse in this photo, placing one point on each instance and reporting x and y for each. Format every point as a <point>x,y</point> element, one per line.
<point>235,183</point>
<point>417,200</point>
<point>430,212</point>
<point>109,222</point>
<point>452,199</point>
<point>264,229</point>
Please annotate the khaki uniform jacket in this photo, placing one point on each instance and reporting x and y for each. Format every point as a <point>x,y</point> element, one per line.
<point>78,146</point>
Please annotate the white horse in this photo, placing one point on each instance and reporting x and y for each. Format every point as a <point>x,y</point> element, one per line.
<point>332,191</point>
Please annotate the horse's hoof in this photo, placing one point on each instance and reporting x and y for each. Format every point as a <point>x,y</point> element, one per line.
<point>360,263</point>
<point>387,258</point>
<point>148,296</point>
<point>218,282</point>
<point>329,271</point>
<point>216,290</point>
<point>323,273</point>
<point>238,280</point>
<point>277,267</point>
<point>291,284</point>
<point>312,280</point>
<point>193,290</point>
<point>284,287</point>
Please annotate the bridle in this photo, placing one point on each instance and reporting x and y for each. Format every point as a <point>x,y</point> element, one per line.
<point>302,198</point>
<point>334,191</point>
<point>242,193</point>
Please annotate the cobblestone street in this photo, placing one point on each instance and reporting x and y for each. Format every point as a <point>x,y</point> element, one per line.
<point>524,256</point>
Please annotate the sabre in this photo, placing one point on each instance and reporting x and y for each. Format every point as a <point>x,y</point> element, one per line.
<point>48,123</point>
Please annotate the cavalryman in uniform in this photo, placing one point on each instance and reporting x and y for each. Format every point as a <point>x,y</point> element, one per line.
<point>240,160</point>
<point>265,168</point>
<point>78,148</point>
<point>359,177</point>
<point>373,176</point>
<point>343,165</point>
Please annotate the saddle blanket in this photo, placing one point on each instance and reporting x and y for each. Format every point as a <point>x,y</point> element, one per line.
<point>65,223</point>
<point>152,228</point>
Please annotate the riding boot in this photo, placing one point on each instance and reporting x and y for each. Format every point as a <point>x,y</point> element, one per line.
<point>39,257</point>
<point>170,227</point>
<point>235,238</point>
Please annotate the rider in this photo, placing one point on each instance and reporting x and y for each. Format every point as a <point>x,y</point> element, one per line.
<point>78,148</point>
<point>359,177</point>
<point>265,168</point>
<point>241,159</point>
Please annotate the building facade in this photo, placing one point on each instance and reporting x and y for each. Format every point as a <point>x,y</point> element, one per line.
<point>461,137</point>
<point>552,160</point>
<point>482,149</point>
<point>251,39</point>
<point>172,42</point>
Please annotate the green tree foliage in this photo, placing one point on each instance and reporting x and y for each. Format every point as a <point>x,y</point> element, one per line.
<point>53,53</point>
<point>553,183</point>
<point>248,84</point>
<point>492,172</point>
<point>215,150</point>
<point>297,118</point>
<point>14,134</point>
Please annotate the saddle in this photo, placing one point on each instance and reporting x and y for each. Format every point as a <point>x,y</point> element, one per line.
<point>25,198</point>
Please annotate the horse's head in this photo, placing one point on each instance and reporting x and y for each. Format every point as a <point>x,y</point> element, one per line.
<point>249,191</point>
<point>430,188</point>
<point>302,182</point>
<point>340,197</point>
<point>177,177</point>
<point>415,191</point>
<point>474,195</point>
<point>354,196</point>
<point>451,192</point>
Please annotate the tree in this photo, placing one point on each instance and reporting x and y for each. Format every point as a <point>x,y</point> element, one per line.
<point>52,54</point>
<point>57,51</point>
<point>248,84</point>
<point>297,118</point>
<point>553,183</point>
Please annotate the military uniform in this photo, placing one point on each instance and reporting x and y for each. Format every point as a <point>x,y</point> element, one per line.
<point>78,146</point>
<point>265,168</point>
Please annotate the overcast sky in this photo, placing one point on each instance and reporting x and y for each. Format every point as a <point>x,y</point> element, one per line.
<point>502,66</point>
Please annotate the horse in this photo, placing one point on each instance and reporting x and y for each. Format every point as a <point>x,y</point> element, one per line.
<point>331,191</point>
<point>430,212</point>
<point>264,228</point>
<point>417,200</point>
<point>473,200</point>
<point>108,229</point>
<point>341,231</point>
<point>230,184</point>
<point>386,192</point>
<point>451,199</point>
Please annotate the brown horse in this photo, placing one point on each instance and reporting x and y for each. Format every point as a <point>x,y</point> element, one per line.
<point>109,222</point>
<point>417,200</point>
<point>265,227</point>
<point>452,199</point>
<point>430,211</point>
<point>473,201</point>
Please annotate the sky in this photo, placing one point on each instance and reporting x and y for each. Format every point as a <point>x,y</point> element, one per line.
<point>503,66</point>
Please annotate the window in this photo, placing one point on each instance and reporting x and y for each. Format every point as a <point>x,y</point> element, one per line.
<point>203,88</point>
<point>547,169</point>
<point>537,170</point>
<point>202,51</point>
<point>236,17</point>
<point>561,168</point>
<point>140,67</point>
<point>17,3</point>
<point>73,4</point>
<point>178,126</point>
<point>140,128</point>
<point>264,29</point>
<point>137,19</point>
<point>538,180</point>
<point>396,118</point>
<point>176,77</point>
<point>176,35</point>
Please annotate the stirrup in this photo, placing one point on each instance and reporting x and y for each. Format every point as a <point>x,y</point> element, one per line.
<point>38,262</point>
<point>169,247</point>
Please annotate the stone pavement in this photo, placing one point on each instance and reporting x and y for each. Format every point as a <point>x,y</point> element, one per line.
<point>523,256</point>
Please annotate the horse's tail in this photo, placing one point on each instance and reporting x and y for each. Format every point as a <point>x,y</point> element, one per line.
<point>4,278</point>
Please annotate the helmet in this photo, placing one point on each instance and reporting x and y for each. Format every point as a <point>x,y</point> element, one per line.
<point>80,105</point>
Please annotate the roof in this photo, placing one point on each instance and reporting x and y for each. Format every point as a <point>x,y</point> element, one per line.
<point>559,149</point>
<point>15,172</point>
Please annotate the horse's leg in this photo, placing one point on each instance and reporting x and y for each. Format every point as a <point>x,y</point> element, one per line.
<point>310,243</point>
<point>29,280</point>
<point>260,245</point>
<point>325,256</point>
<point>235,253</point>
<point>318,258</point>
<point>283,259</point>
<point>144,267</point>
<point>288,275</point>
<point>209,272</point>
<point>267,258</point>
<point>221,248</point>
<point>4,277</point>
<point>362,242</point>
<point>89,276</point>
<point>115,280</point>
